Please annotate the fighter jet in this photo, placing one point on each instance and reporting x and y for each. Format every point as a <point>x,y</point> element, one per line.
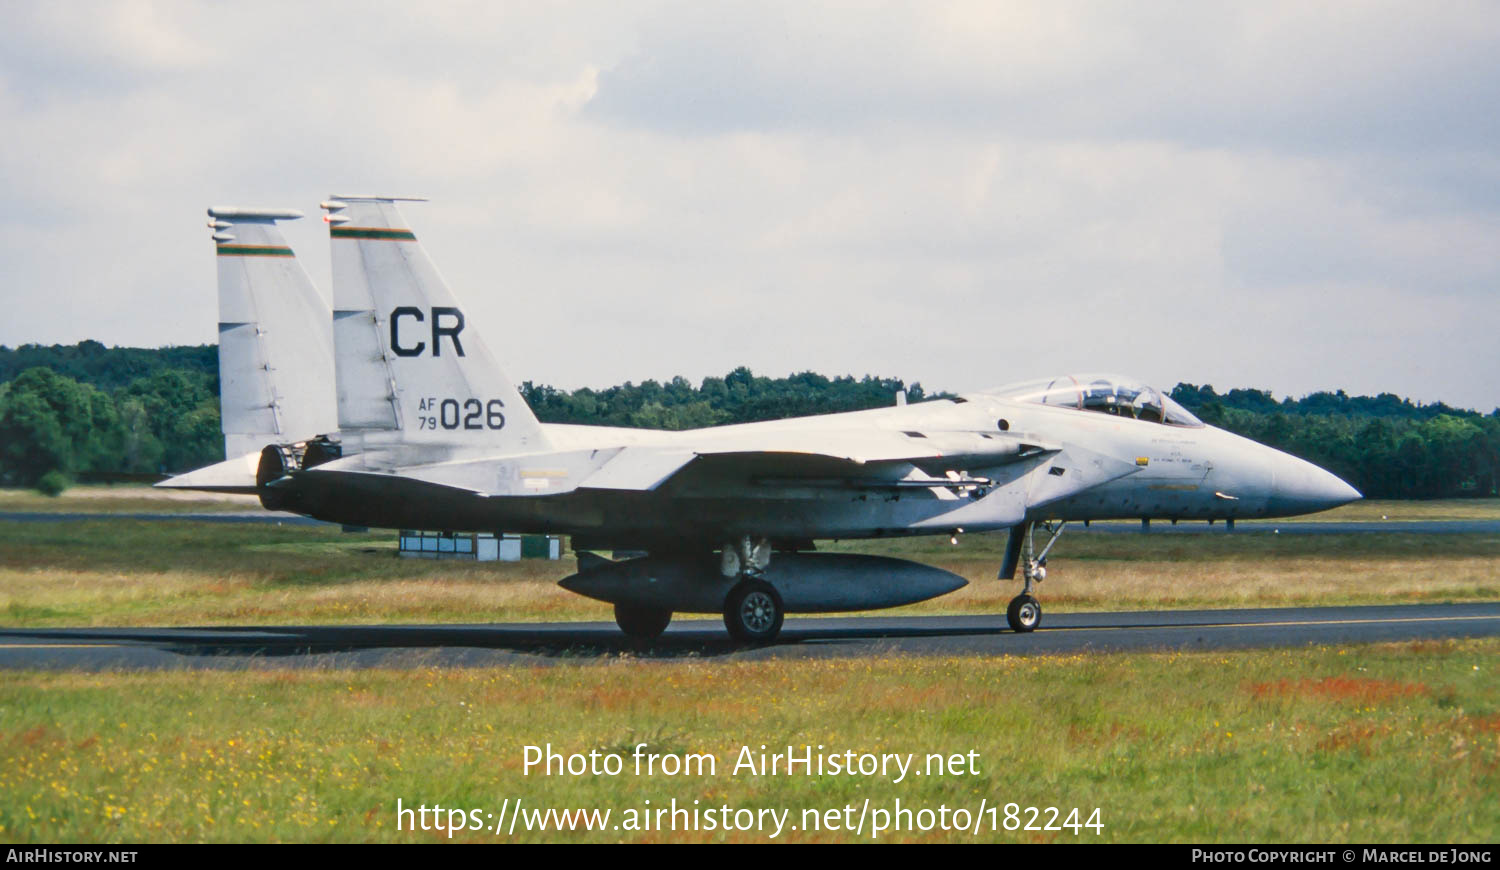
<point>432,434</point>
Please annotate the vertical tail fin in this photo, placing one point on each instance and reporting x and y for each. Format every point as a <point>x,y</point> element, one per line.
<point>408,361</point>
<point>275,341</point>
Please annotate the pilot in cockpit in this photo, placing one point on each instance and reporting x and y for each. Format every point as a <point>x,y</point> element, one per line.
<point>1105,394</point>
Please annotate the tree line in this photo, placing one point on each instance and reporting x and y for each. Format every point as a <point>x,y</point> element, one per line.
<point>69,411</point>
<point>86,411</point>
<point>738,397</point>
<point>1386,446</point>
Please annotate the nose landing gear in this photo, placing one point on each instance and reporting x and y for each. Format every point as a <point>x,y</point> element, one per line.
<point>1025,613</point>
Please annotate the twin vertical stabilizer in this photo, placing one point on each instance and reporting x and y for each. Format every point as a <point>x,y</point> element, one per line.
<point>275,343</point>
<point>408,359</point>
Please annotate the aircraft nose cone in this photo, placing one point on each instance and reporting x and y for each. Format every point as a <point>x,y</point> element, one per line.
<point>1303,488</point>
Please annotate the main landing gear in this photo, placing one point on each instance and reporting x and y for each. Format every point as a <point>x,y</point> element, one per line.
<point>753,611</point>
<point>1025,613</point>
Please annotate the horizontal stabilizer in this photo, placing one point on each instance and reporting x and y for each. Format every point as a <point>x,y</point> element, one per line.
<point>231,475</point>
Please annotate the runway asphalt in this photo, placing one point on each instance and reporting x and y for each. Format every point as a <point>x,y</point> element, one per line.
<point>407,646</point>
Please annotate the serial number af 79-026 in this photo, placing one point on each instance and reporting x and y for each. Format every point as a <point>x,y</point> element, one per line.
<point>436,413</point>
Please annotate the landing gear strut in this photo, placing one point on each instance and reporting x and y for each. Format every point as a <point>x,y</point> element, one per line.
<point>753,611</point>
<point>1025,613</point>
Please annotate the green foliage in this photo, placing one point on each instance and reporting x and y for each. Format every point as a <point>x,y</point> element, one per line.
<point>85,409</point>
<point>738,397</point>
<point>49,422</point>
<point>1388,447</point>
<point>180,412</point>
<point>109,368</point>
<point>52,483</point>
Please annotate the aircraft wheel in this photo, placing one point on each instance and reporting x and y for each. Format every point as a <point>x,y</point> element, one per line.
<point>643,622</point>
<point>1024,614</point>
<point>753,612</point>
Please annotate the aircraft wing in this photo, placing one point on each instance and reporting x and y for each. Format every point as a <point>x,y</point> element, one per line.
<point>878,459</point>
<point>932,452</point>
<point>869,459</point>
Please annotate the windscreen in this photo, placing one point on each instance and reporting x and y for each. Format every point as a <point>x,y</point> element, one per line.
<point>1105,394</point>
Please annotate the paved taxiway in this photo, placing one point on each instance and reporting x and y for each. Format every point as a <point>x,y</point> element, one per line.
<point>474,645</point>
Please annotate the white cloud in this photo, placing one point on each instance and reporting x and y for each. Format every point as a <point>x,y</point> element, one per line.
<point>1268,194</point>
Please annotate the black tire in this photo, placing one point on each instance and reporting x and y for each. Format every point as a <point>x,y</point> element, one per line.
<point>646,623</point>
<point>1024,614</point>
<point>753,612</point>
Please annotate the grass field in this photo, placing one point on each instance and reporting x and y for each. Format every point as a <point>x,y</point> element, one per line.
<point>1392,743</point>
<point>125,498</point>
<point>1404,511</point>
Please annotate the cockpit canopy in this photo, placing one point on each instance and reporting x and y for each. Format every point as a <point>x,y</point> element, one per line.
<point>1106,394</point>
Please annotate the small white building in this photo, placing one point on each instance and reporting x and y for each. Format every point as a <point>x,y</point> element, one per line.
<point>480,546</point>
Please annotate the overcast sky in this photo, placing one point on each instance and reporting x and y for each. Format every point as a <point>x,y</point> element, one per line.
<point>1287,195</point>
